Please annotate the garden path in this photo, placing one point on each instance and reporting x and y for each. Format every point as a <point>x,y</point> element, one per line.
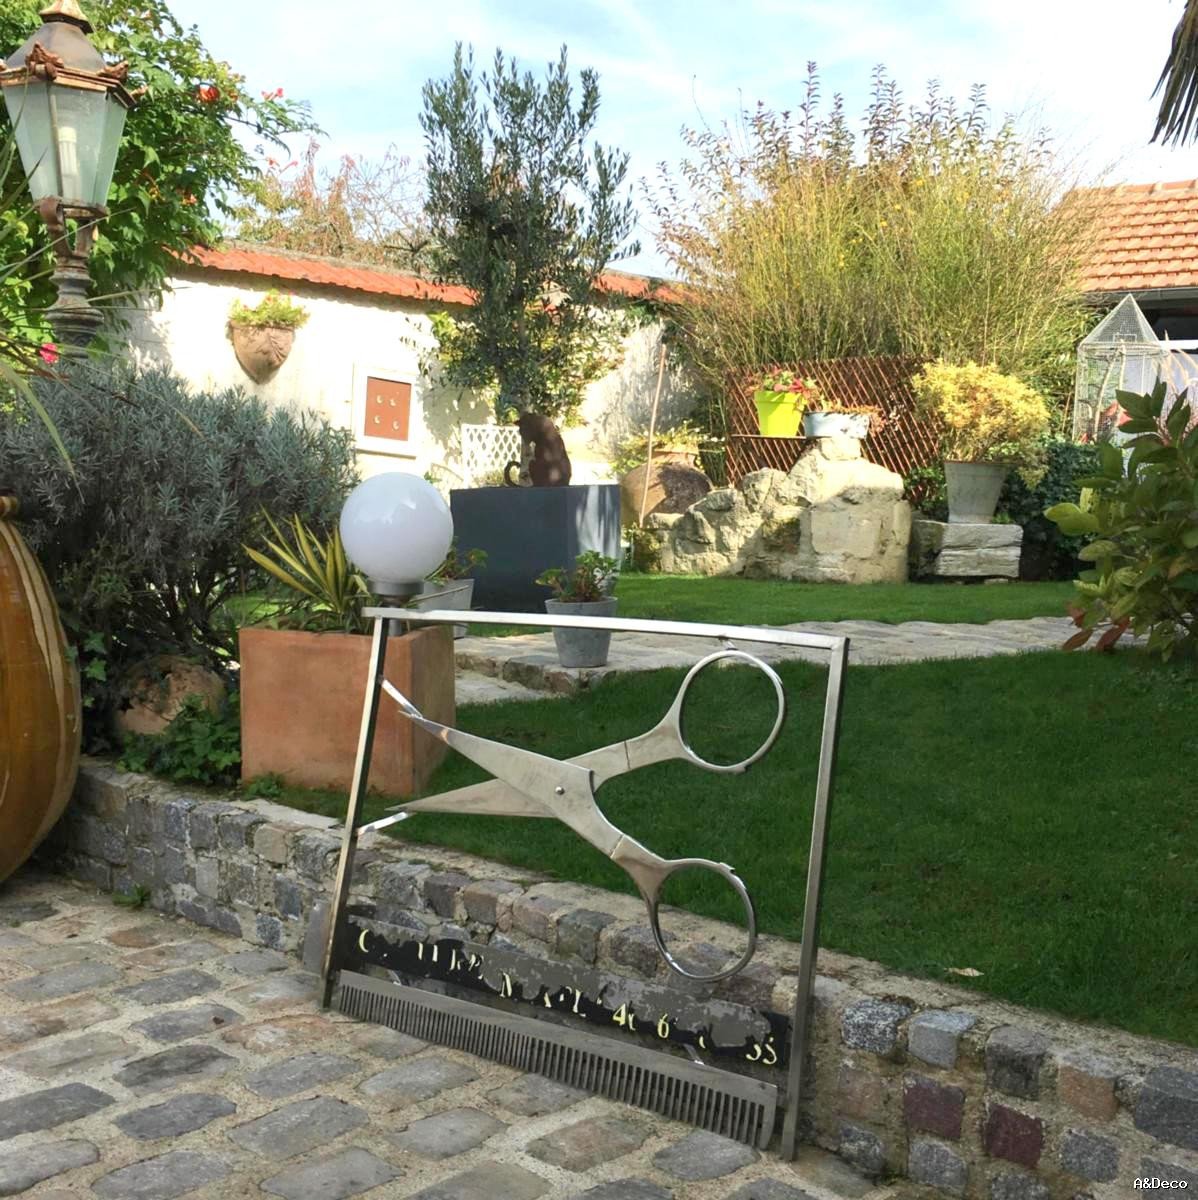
<point>525,666</point>
<point>144,1058</point>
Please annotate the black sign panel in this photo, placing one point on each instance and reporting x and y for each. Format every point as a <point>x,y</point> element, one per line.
<point>712,1028</point>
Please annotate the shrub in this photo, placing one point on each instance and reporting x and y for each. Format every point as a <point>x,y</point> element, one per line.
<point>935,234</point>
<point>1047,552</point>
<point>1142,521</point>
<point>198,746</point>
<point>591,578</point>
<point>272,309</point>
<point>143,545</point>
<point>983,415</point>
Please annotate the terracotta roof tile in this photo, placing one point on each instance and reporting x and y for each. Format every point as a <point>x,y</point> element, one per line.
<point>1148,237</point>
<point>244,259</point>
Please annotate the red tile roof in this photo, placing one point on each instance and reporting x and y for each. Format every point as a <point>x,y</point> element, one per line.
<point>245,259</point>
<point>1148,238</point>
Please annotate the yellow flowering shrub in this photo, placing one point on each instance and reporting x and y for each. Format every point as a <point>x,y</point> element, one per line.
<point>983,414</point>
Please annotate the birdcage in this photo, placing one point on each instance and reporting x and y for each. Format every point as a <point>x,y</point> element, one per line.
<point>1121,353</point>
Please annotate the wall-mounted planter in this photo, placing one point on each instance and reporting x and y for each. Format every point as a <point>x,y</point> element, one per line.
<point>261,349</point>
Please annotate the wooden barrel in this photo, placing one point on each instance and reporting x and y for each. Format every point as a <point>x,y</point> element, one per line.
<point>40,716</point>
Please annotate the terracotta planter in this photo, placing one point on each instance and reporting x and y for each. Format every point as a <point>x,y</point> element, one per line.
<point>301,706</point>
<point>261,349</point>
<point>40,723</point>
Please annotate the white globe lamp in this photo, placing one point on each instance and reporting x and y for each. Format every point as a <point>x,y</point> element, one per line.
<point>396,529</point>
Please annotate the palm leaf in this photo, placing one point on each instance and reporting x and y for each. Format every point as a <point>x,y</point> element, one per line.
<point>1178,84</point>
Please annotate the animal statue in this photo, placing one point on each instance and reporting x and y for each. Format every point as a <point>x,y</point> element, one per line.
<point>548,464</point>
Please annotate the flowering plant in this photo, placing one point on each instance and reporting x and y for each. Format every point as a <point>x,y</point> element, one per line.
<point>983,415</point>
<point>272,310</point>
<point>789,383</point>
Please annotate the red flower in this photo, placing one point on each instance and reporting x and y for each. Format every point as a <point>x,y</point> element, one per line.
<point>48,353</point>
<point>208,93</point>
<point>277,94</point>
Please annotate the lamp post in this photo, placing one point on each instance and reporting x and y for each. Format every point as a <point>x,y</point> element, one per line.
<point>67,108</point>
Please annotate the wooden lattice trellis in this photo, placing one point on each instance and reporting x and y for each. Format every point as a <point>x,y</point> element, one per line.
<point>904,443</point>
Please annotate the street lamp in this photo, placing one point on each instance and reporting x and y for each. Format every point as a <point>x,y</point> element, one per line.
<point>67,108</point>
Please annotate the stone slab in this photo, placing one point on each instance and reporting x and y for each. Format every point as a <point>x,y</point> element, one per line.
<point>298,1128</point>
<point>64,981</point>
<point>175,1117</point>
<point>181,1023</point>
<point>446,1134</point>
<point>61,1056</point>
<point>163,1178</point>
<point>490,1181</point>
<point>534,1095</point>
<point>180,1065</point>
<point>337,1177</point>
<point>49,1108</point>
<point>704,1155</point>
<point>22,1169</point>
<point>417,1079</point>
<point>298,1074</point>
<point>589,1142</point>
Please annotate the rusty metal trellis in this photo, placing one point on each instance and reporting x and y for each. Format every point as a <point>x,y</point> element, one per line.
<point>905,442</point>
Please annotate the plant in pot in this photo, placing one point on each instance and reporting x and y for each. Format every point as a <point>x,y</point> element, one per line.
<point>303,666</point>
<point>830,418</point>
<point>262,336</point>
<point>781,399</point>
<point>989,423</point>
<point>583,590</point>
<point>451,584</point>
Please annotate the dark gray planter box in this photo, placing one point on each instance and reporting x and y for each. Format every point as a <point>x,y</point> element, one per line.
<point>527,530</point>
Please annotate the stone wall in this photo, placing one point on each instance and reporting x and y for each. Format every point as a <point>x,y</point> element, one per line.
<point>835,518</point>
<point>973,1097</point>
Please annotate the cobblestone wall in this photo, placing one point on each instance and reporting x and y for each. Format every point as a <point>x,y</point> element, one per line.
<point>972,1097</point>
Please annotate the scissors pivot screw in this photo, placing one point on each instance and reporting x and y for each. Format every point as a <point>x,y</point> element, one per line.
<point>559,791</point>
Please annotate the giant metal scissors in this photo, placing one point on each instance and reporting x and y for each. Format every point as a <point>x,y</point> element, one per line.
<point>527,784</point>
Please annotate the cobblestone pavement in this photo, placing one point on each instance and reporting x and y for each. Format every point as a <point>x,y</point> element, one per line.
<point>144,1058</point>
<point>519,667</point>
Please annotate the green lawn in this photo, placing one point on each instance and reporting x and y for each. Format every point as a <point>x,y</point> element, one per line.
<point>1028,817</point>
<point>775,602</point>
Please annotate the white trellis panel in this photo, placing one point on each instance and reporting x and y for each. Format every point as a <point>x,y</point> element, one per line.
<point>487,449</point>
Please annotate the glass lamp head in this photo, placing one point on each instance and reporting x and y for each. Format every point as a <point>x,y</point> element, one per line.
<point>397,530</point>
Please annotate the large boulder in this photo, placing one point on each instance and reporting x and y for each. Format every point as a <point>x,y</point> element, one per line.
<point>836,517</point>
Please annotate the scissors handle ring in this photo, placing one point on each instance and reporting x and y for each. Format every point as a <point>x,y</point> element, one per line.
<point>653,901</point>
<point>677,711</point>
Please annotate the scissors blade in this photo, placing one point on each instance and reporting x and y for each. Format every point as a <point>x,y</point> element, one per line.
<point>498,799</point>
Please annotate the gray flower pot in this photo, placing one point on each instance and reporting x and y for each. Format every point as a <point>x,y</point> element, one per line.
<point>582,647</point>
<point>828,424</point>
<point>973,490</point>
<point>455,594</point>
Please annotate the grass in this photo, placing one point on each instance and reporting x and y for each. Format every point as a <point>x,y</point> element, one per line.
<point>1026,817</point>
<point>775,602</point>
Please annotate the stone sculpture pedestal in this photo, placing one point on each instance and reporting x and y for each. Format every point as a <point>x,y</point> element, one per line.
<point>942,551</point>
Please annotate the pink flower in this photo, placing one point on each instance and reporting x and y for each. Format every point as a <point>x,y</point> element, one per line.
<point>48,353</point>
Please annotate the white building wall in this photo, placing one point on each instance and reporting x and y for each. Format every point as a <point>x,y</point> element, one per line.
<point>349,335</point>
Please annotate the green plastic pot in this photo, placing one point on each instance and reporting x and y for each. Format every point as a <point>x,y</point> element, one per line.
<point>778,413</point>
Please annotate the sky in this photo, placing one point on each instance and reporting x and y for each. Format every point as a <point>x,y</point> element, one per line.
<point>1085,69</point>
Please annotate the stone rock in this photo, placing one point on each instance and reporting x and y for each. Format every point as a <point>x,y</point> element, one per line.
<point>74,1054</point>
<point>348,1173</point>
<point>1014,1058</point>
<point>490,1181</point>
<point>298,1128</point>
<point>943,551</point>
<point>1010,1186</point>
<point>166,989</point>
<point>1086,1082</point>
<point>672,486</point>
<point>484,898</point>
<point>161,1178</point>
<point>298,1074</point>
<point>387,1043</point>
<point>1089,1155</point>
<point>49,1108</point>
<point>534,1095</point>
<point>181,1023</point>
<point>417,1079</point>
<point>578,933</point>
<point>448,1133</point>
<point>1168,1107</point>
<point>21,1170</point>
<point>176,1116</point>
<point>933,1036</point>
<point>704,1155</point>
<point>589,1142</point>
<point>182,1064</point>
<point>1155,1168</point>
<point>155,692</point>
<point>836,517</point>
<point>862,1148</point>
<point>933,1107</point>
<point>873,1025</point>
<point>770,1189</point>
<point>1013,1135</point>
<point>256,962</point>
<point>627,1189</point>
<point>64,981</point>
<point>937,1166</point>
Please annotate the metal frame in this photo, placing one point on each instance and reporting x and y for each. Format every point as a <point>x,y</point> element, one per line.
<point>837,649</point>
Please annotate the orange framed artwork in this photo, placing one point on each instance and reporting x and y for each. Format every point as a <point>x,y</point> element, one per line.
<point>384,411</point>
